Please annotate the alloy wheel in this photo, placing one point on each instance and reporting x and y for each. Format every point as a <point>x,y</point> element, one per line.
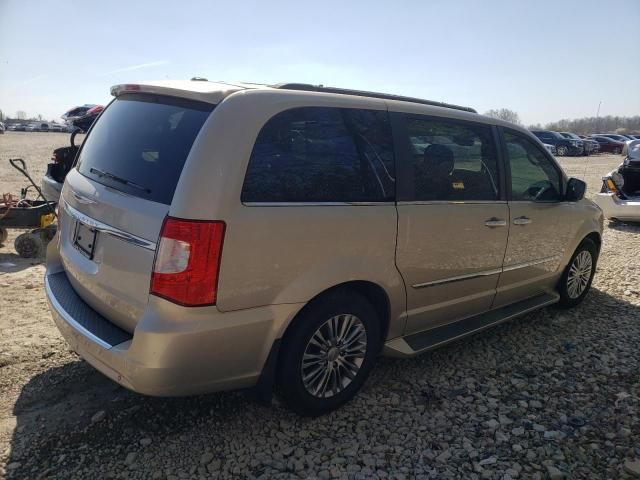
<point>333,356</point>
<point>562,151</point>
<point>579,274</point>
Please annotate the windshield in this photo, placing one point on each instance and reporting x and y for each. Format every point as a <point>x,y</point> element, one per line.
<point>141,142</point>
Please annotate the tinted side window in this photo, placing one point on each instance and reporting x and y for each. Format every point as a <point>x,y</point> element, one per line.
<point>317,154</point>
<point>452,160</point>
<point>533,176</point>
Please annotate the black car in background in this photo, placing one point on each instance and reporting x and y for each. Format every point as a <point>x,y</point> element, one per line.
<point>589,146</point>
<point>564,146</point>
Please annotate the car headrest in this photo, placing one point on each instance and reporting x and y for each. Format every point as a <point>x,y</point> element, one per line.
<point>438,158</point>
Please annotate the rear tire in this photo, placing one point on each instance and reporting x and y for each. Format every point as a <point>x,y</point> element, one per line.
<point>338,337</point>
<point>616,151</point>
<point>577,277</point>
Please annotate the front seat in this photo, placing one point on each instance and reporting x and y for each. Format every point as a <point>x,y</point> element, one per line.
<point>433,180</point>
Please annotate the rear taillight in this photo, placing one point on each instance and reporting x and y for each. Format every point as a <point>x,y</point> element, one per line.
<point>187,262</point>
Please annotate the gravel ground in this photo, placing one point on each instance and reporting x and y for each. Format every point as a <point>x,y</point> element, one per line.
<point>553,394</point>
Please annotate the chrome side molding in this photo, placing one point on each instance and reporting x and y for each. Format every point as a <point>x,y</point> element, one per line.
<point>516,266</point>
<point>469,276</point>
<point>487,273</point>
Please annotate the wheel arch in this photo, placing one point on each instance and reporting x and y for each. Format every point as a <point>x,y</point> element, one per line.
<point>595,237</point>
<point>375,294</point>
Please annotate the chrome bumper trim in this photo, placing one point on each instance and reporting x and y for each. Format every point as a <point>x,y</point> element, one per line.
<point>108,229</point>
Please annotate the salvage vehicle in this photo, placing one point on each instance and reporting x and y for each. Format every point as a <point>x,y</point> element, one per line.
<point>608,144</point>
<point>615,136</point>
<point>63,157</point>
<point>590,146</point>
<point>619,197</point>
<point>564,146</point>
<point>217,236</point>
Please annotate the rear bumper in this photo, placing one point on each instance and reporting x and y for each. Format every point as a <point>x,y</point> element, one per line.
<point>614,207</point>
<point>173,351</point>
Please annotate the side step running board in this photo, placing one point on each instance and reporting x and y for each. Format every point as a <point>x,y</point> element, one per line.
<point>429,339</point>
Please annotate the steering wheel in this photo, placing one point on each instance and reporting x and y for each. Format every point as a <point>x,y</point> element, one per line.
<point>538,189</point>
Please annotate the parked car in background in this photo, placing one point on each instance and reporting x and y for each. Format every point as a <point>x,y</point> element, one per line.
<point>564,146</point>
<point>2,128</point>
<point>55,127</point>
<point>588,145</point>
<point>552,148</point>
<point>619,197</point>
<point>615,136</point>
<point>17,127</point>
<point>37,127</point>
<point>608,144</point>
<point>595,146</point>
<point>63,157</point>
<point>77,112</point>
<point>140,285</point>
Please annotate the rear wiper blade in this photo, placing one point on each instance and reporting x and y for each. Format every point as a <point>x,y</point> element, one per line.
<point>116,178</point>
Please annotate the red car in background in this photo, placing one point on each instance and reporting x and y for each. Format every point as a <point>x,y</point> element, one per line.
<point>608,144</point>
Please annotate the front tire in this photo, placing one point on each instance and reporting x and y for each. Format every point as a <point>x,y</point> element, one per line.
<point>327,353</point>
<point>577,277</point>
<point>562,151</point>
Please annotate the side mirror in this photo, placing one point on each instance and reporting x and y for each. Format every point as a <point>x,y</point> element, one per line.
<point>575,190</point>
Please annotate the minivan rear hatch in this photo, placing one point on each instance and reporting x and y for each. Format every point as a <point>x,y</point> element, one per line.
<point>115,201</point>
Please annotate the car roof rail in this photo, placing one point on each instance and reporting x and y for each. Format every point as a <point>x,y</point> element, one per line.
<point>306,87</point>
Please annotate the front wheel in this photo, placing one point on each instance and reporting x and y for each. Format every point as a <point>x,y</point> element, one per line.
<point>562,151</point>
<point>328,353</point>
<point>577,277</point>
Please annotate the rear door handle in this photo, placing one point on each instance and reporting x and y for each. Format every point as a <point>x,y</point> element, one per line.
<point>495,222</point>
<point>522,221</point>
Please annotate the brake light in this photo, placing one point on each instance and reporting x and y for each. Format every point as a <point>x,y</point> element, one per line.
<point>124,88</point>
<point>187,262</point>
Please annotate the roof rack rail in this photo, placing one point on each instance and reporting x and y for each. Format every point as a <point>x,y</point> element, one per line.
<point>363,93</point>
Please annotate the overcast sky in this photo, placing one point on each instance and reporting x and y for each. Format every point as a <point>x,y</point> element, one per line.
<point>547,59</point>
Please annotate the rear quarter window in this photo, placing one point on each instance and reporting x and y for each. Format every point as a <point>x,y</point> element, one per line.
<point>318,154</point>
<point>140,143</point>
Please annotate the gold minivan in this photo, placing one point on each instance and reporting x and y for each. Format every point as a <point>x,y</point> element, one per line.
<point>218,236</point>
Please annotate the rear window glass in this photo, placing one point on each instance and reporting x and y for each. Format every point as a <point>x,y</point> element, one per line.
<point>140,143</point>
<point>318,154</point>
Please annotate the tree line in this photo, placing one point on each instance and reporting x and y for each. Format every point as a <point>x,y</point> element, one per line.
<point>581,126</point>
<point>587,125</point>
